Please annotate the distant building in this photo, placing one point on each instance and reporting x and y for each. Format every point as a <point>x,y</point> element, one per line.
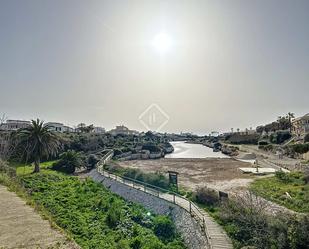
<point>122,130</point>
<point>214,134</point>
<point>68,129</point>
<point>241,132</point>
<point>300,126</point>
<point>188,134</point>
<point>14,125</point>
<point>98,130</point>
<point>59,127</point>
<point>247,132</point>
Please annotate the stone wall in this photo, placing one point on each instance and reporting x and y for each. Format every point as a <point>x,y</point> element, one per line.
<point>185,224</point>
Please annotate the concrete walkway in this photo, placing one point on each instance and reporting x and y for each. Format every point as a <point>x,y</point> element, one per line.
<point>22,227</point>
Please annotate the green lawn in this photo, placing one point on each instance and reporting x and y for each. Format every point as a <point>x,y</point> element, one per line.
<point>275,189</point>
<point>92,215</point>
<point>25,169</point>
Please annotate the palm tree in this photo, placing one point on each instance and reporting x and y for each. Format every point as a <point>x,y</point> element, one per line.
<point>69,161</point>
<point>38,141</point>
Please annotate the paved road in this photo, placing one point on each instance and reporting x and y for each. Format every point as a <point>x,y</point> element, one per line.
<point>22,227</point>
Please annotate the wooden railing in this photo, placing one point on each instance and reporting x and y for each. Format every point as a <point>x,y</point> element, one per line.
<point>164,194</point>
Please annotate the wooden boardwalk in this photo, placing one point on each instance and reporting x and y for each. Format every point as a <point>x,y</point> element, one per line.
<point>217,237</point>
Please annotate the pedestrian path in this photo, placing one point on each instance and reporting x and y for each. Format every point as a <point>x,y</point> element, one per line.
<point>22,227</point>
<point>216,236</point>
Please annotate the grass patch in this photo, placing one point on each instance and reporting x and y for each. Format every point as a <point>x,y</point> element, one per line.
<point>275,189</point>
<point>92,215</point>
<point>27,168</point>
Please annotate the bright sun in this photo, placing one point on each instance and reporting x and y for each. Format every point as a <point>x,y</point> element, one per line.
<point>162,42</point>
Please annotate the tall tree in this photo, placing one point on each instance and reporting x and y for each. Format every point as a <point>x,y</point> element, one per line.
<point>38,141</point>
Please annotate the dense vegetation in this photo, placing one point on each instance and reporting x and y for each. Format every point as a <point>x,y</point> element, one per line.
<point>121,143</point>
<point>249,225</point>
<point>289,190</point>
<point>95,217</point>
<point>282,123</point>
<point>247,222</point>
<point>299,148</point>
<point>157,179</point>
<point>242,139</point>
<point>279,137</point>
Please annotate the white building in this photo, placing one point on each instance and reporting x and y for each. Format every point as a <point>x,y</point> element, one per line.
<point>122,130</point>
<point>59,127</point>
<point>98,130</point>
<point>214,134</point>
<point>68,129</point>
<point>13,125</point>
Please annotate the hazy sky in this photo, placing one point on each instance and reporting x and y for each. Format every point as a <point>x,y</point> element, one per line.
<point>229,64</point>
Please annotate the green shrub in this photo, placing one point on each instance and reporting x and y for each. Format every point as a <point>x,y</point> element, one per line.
<point>268,147</point>
<point>92,161</point>
<point>206,196</point>
<point>300,148</point>
<point>282,176</point>
<point>113,216</point>
<point>157,179</point>
<point>164,228</point>
<point>246,223</point>
<point>279,137</point>
<point>263,143</point>
<point>152,148</point>
<point>68,162</point>
<point>117,152</point>
<point>306,139</point>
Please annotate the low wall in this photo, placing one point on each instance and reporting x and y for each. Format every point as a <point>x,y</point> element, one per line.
<point>185,224</point>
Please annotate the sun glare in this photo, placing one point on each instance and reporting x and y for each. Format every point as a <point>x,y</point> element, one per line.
<point>162,42</point>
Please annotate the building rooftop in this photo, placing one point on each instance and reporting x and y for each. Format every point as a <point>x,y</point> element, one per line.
<point>17,121</point>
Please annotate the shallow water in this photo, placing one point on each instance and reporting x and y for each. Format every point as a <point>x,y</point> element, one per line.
<point>186,150</point>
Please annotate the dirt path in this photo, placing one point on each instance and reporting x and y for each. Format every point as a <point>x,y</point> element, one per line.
<point>22,227</point>
<point>269,159</point>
